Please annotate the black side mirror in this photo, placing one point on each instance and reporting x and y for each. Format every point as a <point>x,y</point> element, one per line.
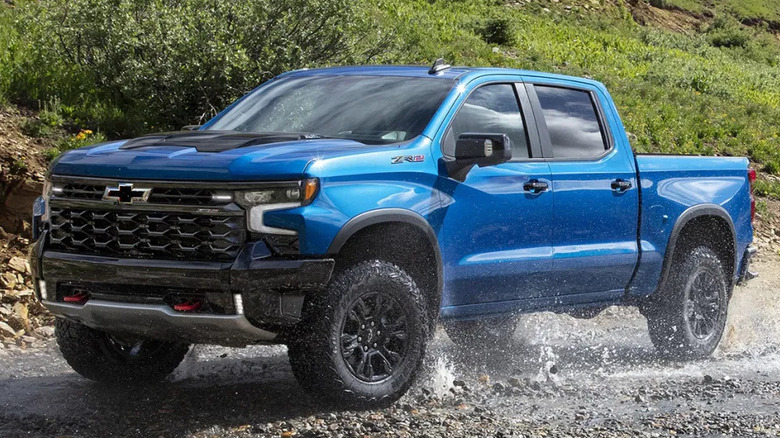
<point>190,127</point>
<point>478,149</point>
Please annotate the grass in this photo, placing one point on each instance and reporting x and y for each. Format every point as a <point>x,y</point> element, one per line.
<point>676,93</point>
<point>715,93</point>
<point>766,10</point>
<point>766,188</point>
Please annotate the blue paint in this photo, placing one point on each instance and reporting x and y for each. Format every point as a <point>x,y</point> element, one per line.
<point>503,249</point>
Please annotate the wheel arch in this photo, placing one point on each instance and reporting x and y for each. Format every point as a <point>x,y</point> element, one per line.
<point>374,234</point>
<point>690,224</point>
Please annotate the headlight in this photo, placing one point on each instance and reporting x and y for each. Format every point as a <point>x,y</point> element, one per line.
<point>257,202</point>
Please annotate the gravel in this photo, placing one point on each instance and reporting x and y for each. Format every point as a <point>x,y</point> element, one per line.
<point>567,377</point>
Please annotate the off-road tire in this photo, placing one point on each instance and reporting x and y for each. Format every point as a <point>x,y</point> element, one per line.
<point>677,314</point>
<point>317,353</point>
<point>483,336</point>
<point>97,356</point>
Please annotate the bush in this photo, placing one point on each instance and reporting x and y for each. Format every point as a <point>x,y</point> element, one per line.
<point>49,119</point>
<point>85,137</point>
<point>151,65</point>
<point>499,31</point>
<point>728,32</point>
<point>769,189</point>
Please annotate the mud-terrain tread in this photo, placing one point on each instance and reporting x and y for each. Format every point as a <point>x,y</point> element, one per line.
<point>665,322</point>
<point>314,355</point>
<point>84,350</point>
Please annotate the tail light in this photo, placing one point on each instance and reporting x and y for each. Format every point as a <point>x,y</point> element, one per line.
<point>752,178</point>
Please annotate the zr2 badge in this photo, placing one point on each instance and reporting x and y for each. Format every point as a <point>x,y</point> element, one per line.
<point>407,159</point>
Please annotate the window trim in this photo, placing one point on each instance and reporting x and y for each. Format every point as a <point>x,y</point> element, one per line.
<point>529,123</point>
<point>544,133</point>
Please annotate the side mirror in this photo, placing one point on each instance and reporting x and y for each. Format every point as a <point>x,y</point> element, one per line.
<point>190,127</point>
<point>478,149</point>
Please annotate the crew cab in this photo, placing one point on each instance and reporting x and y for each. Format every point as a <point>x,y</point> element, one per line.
<point>346,212</point>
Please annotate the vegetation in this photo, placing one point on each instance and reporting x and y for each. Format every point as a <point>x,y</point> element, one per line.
<point>768,188</point>
<point>744,10</point>
<point>132,66</point>
<point>123,67</point>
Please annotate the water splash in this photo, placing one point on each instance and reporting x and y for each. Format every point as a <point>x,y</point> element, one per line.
<point>442,377</point>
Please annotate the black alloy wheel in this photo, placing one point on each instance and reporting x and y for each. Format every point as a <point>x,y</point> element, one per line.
<point>686,318</point>
<point>374,338</point>
<point>362,341</point>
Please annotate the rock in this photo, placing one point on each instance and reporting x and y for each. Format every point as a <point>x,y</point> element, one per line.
<point>6,330</point>
<point>45,331</point>
<point>460,384</point>
<point>8,280</point>
<point>23,316</point>
<point>707,379</point>
<point>19,264</point>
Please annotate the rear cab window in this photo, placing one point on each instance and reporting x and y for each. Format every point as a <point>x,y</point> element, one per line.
<point>573,122</point>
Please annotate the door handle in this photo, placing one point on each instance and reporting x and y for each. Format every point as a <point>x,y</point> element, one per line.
<point>621,185</point>
<point>535,186</point>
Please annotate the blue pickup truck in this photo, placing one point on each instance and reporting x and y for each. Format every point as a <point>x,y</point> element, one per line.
<point>346,212</point>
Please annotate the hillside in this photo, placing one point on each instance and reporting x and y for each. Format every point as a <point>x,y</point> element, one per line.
<point>688,76</point>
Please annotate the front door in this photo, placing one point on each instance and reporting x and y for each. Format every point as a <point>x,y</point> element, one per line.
<point>497,229</point>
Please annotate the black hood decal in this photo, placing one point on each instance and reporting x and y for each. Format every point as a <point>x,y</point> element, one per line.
<point>215,141</point>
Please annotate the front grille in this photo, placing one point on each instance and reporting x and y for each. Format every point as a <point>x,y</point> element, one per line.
<point>186,196</point>
<point>161,235</point>
<point>82,191</point>
<point>159,195</point>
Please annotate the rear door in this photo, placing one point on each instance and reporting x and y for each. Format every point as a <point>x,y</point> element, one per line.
<point>497,227</point>
<point>594,191</point>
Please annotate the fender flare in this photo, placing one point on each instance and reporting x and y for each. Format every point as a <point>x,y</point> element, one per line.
<point>391,216</point>
<point>692,213</point>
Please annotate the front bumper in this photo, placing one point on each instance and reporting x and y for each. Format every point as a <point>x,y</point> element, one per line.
<point>251,300</point>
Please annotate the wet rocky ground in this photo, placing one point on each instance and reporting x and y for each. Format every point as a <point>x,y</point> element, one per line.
<point>567,377</point>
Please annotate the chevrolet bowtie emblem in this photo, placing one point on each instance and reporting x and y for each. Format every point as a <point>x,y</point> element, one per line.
<point>124,193</point>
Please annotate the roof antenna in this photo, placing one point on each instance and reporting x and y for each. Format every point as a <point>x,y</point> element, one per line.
<point>438,66</point>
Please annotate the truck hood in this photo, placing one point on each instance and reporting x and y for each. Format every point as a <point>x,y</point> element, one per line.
<point>224,161</point>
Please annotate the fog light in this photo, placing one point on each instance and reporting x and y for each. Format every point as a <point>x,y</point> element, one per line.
<point>42,290</point>
<point>239,303</point>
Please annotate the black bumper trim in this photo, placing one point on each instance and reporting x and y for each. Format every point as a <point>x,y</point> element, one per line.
<point>272,288</point>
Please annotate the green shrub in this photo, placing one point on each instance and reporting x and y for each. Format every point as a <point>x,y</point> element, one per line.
<point>772,167</point>
<point>499,31</point>
<point>152,65</point>
<point>84,137</point>
<point>50,119</point>
<point>767,188</point>
<point>728,32</point>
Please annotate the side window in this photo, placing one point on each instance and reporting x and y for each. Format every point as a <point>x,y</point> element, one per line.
<point>490,109</point>
<point>572,122</point>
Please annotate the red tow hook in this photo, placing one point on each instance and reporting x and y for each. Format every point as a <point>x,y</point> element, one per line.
<point>79,298</point>
<point>189,306</point>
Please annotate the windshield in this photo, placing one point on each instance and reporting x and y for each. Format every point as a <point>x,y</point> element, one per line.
<point>369,109</point>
